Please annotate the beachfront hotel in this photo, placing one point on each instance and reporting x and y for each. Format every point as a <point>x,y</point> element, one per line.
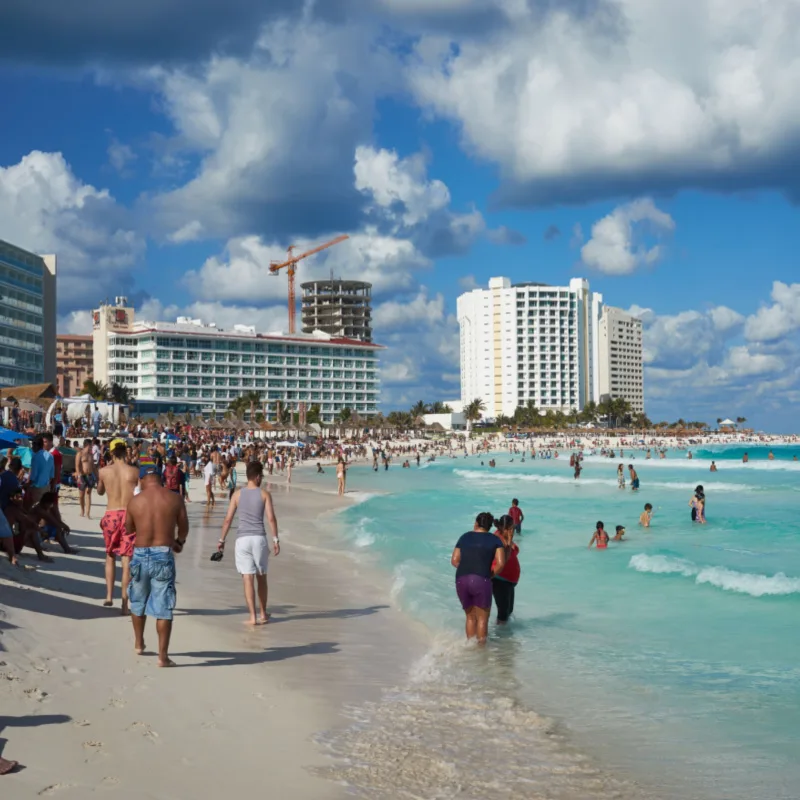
<point>530,342</point>
<point>189,366</point>
<point>620,357</point>
<point>27,317</point>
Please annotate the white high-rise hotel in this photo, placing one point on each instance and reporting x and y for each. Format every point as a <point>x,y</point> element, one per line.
<point>556,346</point>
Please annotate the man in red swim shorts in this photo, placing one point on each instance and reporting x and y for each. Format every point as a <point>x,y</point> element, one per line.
<point>119,480</point>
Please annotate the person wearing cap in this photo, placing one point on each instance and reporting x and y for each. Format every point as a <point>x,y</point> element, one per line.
<point>119,480</point>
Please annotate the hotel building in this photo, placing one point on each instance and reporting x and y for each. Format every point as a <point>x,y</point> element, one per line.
<point>27,317</point>
<point>620,362</point>
<point>74,363</point>
<point>191,366</point>
<point>536,343</point>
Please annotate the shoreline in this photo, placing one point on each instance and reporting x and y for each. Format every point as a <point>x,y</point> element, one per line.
<point>81,712</point>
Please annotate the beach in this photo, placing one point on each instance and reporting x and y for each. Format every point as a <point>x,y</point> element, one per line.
<point>243,710</point>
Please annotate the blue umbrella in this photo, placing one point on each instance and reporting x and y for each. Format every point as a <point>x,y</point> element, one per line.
<point>6,434</point>
<point>25,454</point>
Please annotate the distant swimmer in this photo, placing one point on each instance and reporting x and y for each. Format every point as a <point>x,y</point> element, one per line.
<point>689,455</point>
<point>634,478</point>
<point>771,456</point>
<point>578,469</point>
<point>621,476</point>
<point>600,537</point>
<point>646,515</point>
<point>620,533</point>
<point>713,466</point>
<point>745,458</point>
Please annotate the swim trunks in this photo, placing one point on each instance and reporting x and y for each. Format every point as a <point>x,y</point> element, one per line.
<point>152,588</point>
<point>86,482</point>
<point>118,541</point>
<point>474,590</point>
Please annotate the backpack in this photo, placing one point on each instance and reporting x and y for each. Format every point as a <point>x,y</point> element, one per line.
<point>171,477</point>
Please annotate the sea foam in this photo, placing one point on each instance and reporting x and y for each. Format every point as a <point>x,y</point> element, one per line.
<point>723,578</point>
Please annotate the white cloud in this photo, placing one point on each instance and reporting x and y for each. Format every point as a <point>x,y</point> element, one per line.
<point>190,232</point>
<point>45,208</point>
<point>120,155</point>
<point>225,315</point>
<point>76,322</point>
<point>394,314</point>
<point>781,318</point>
<point>741,362</point>
<point>574,99</point>
<point>615,247</point>
<point>725,319</point>
<point>467,283</point>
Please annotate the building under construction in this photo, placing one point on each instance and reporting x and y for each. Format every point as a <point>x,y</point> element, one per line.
<point>339,308</point>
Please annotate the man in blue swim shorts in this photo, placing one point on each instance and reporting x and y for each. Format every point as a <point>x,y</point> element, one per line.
<point>156,517</point>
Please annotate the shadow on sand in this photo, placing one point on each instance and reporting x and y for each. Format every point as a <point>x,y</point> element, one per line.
<point>221,658</point>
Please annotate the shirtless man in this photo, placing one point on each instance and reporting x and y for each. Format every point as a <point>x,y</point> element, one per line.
<point>119,479</point>
<point>87,477</point>
<point>153,517</point>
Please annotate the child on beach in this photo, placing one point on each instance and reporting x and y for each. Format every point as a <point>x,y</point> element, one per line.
<point>646,515</point>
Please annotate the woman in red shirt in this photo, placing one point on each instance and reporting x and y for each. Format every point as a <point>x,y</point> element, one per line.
<point>505,581</point>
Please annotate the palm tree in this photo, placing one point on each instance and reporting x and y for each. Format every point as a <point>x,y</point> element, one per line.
<point>419,408</point>
<point>439,408</point>
<point>739,420</point>
<point>119,394</point>
<point>344,415</point>
<point>97,389</point>
<point>252,399</point>
<point>474,411</point>
<point>590,412</point>
<point>314,414</point>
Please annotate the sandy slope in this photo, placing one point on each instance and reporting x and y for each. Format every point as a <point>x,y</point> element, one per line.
<point>86,716</point>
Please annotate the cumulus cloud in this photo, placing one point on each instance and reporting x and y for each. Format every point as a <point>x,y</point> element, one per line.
<point>616,246</point>
<point>120,155</point>
<point>394,314</point>
<point>581,101</point>
<point>775,321</point>
<point>45,208</point>
<point>265,318</point>
<point>75,322</point>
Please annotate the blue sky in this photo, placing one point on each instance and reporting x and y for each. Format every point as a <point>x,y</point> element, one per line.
<point>171,149</point>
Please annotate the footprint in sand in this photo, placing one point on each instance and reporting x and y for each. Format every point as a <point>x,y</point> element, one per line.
<point>145,729</point>
<point>9,677</point>
<point>109,781</point>
<point>48,791</point>
<point>117,702</point>
<point>82,723</point>
<point>41,668</point>
<point>91,745</point>
<point>36,694</point>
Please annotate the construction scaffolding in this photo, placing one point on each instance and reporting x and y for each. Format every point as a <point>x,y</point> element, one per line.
<point>339,308</point>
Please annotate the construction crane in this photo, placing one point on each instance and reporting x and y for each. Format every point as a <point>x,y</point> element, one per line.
<point>291,267</point>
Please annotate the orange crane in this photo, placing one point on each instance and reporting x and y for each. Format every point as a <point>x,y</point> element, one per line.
<point>291,267</point>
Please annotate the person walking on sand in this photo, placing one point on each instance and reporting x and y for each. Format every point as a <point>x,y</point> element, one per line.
<point>478,556</point>
<point>341,475</point>
<point>119,480</point>
<point>252,550</point>
<point>154,515</point>
<point>208,478</point>
<point>87,477</point>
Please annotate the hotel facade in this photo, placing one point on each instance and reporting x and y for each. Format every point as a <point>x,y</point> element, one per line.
<point>540,344</point>
<point>27,317</point>
<point>199,368</point>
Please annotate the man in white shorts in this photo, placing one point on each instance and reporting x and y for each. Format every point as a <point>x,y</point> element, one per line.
<point>252,549</point>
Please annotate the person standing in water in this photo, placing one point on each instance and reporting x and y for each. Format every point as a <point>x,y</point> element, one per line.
<point>478,556</point>
<point>505,581</point>
<point>698,506</point>
<point>634,478</point>
<point>621,476</point>
<point>341,476</point>
<point>515,512</point>
<point>600,537</point>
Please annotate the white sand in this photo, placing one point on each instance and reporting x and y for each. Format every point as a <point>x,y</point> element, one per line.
<point>84,715</point>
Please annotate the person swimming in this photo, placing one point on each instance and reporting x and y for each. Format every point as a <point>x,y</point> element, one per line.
<point>620,533</point>
<point>600,536</point>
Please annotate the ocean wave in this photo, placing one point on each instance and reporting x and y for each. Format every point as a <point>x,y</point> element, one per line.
<point>698,464</point>
<point>723,578</point>
<point>363,536</point>
<point>711,486</point>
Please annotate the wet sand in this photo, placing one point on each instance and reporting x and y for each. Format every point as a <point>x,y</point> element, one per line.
<point>83,714</point>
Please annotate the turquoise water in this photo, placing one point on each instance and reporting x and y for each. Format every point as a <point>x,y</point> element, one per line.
<point>671,659</point>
